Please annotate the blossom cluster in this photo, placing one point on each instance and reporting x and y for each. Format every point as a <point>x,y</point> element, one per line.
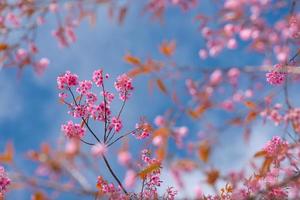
<point>108,189</point>
<point>4,181</point>
<point>276,115</point>
<point>277,75</point>
<point>20,21</point>
<point>124,86</point>
<point>72,130</point>
<point>259,34</point>
<point>150,175</point>
<point>86,106</point>
<point>293,116</point>
<point>276,147</point>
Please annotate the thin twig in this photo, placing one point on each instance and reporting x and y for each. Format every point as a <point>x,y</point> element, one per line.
<point>113,174</point>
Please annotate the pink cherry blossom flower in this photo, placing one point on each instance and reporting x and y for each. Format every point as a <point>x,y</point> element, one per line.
<point>116,124</point>
<point>170,193</point>
<point>72,146</point>
<point>233,75</point>
<point>99,112</point>
<point>62,96</point>
<point>157,140</point>
<point>231,44</point>
<point>124,157</point>
<point>276,147</point>
<point>79,111</point>
<point>53,7</point>
<point>41,65</point>
<point>181,131</point>
<point>21,54</point>
<point>245,33</point>
<point>159,121</point>
<point>143,130</point>
<point>4,181</point>
<point>293,116</point>
<point>130,178</point>
<point>33,48</point>
<point>108,96</point>
<point>13,19</point>
<point>72,130</point>
<point>276,76</point>
<point>124,85</point>
<point>227,105</point>
<point>203,54</point>
<point>84,87</point>
<point>229,29</point>
<point>216,77</point>
<point>67,80</point>
<point>98,77</point>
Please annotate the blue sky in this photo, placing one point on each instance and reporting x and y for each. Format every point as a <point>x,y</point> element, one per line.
<point>29,109</point>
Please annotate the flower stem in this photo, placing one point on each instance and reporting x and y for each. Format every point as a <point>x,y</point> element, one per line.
<point>113,174</point>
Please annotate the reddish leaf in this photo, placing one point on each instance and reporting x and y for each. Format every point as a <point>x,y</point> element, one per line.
<point>266,166</point>
<point>38,196</point>
<point>236,121</point>
<point>161,86</point>
<point>212,176</point>
<point>198,112</point>
<point>251,116</point>
<point>161,152</point>
<point>249,104</point>
<point>135,72</point>
<point>8,155</point>
<point>260,154</point>
<point>164,132</point>
<point>204,151</point>
<point>168,48</point>
<point>186,165</point>
<point>148,170</point>
<point>3,46</point>
<point>132,60</point>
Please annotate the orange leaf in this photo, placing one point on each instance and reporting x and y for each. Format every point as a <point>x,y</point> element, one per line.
<point>7,156</point>
<point>164,132</point>
<point>135,72</point>
<point>143,69</point>
<point>236,121</point>
<point>161,152</point>
<point>168,48</point>
<point>186,165</point>
<point>38,196</point>
<point>3,46</point>
<point>250,105</point>
<point>266,166</point>
<point>251,116</point>
<point>200,110</point>
<point>132,60</point>
<point>212,176</point>
<point>45,148</point>
<point>161,86</point>
<point>260,154</point>
<point>204,151</point>
<point>148,170</point>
